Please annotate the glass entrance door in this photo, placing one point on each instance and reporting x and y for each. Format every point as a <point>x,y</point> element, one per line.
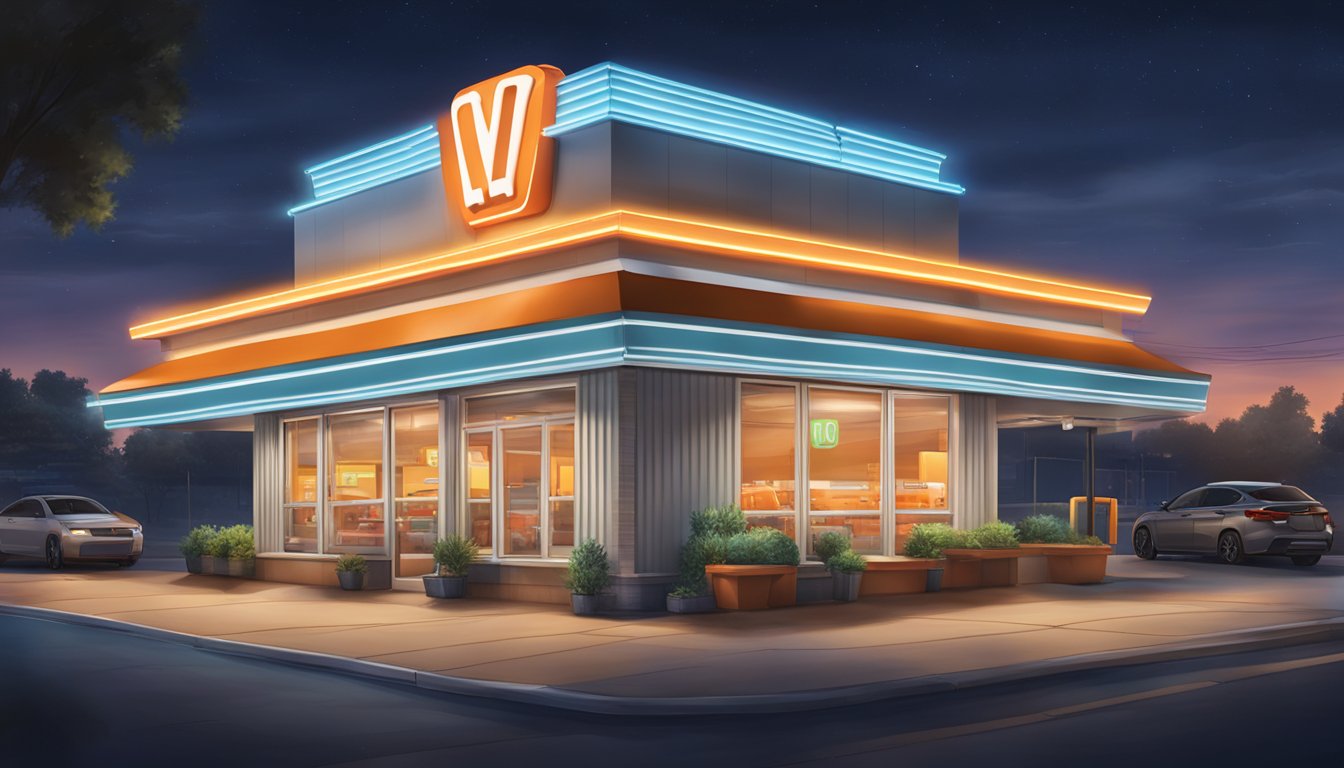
<point>415,488</point>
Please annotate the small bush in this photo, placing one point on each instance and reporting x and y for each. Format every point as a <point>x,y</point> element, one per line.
<point>235,543</point>
<point>197,541</point>
<point>726,520</point>
<point>685,591</point>
<point>930,539</point>
<point>454,554</point>
<point>830,544</point>
<point>762,546</point>
<point>1093,540</point>
<point>352,564</point>
<point>993,536</point>
<point>589,569</point>
<point>1045,529</point>
<point>848,561</point>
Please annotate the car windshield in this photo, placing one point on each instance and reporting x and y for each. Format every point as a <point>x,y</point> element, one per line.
<point>1280,493</point>
<point>73,507</point>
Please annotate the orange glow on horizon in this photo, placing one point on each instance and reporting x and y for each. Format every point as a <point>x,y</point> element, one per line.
<point>664,230</point>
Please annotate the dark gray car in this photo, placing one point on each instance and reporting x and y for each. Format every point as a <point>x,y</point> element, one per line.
<point>1236,519</point>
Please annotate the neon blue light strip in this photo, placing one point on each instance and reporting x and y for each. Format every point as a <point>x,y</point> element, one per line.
<point>612,92</point>
<point>640,338</point>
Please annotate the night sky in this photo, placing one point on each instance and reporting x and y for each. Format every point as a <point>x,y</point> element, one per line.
<point>1191,151</point>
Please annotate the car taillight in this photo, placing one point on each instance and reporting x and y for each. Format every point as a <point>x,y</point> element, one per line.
<point>1266,515</point>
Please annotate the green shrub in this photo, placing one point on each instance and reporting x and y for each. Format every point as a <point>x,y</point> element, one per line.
<point>762,546</point>
<point>589,569</point>
<point>197,541</point>
<point>1093,540</point>
<point>696,553</point>
<point>685,591</point>
<point>1045,529</point>
<point>454,554</point>
<point>930,539</point>
<point>726,520</point>
<point>352,564</point>
<point>234,542</point>
<point>993,536</point>
<point>830,544</point>
<point>848,561</point>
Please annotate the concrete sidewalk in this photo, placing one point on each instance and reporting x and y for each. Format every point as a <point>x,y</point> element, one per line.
<point>809,656</point>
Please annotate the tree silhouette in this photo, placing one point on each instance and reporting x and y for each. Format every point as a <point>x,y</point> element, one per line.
<point>74,75</point>
<point>1332,428</point>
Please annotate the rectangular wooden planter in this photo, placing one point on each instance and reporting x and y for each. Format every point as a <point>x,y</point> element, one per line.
<point>897,575</point>
<point>1071,563</point>
<point>753,587</point>
<point>969,568</point>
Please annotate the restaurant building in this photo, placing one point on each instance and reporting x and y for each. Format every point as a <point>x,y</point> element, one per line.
<point>581,306</point>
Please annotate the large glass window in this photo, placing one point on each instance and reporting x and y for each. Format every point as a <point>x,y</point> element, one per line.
<point>844,459</point>
<point>300,501</point>
<point>415,487</point>
<point>519,472</point>
<point>919,439</point>
<point>355,509</point>
<point>769,414</point>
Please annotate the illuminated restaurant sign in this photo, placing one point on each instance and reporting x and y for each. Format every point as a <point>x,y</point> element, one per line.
<point>496,162</point>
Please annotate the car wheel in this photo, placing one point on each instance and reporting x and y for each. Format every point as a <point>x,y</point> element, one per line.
<point>1143,544</point>
<point>1306,559</point>
<point>1229,548</point>
<point>55,559</point>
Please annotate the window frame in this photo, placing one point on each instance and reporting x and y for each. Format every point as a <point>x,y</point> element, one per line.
<point>495,553</point>
<point>887,510</point>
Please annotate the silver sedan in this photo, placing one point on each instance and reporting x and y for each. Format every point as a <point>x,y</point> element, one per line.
<point>1236,519</point>
<point>68,528</point>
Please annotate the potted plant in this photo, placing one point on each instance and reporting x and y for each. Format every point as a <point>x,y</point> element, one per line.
<point>589,574</point>
<point>760,571</point>
<point>926,544</point>
<point>708,544</point>
<point>350,570</point>
<point>215,560</point>
<point>453,556</point>
<point>237,545</point>
<point>827,547</point>
<point>194,545</point>
<point>1069,557</point>
<point>847,570</point>
<point>986,557</point>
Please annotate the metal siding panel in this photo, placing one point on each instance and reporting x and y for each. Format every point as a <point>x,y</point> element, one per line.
<point>695,177</point>
<point>267,481</point>
<point>595,428</point>
<point>685,441</point>
<point>935,225</point>
<point>638,168</point>
<point>975,496</point>
<point>898,219</point>
<point>828,193</point>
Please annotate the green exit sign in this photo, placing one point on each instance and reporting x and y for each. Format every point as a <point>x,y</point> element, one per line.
<point>825,433</point>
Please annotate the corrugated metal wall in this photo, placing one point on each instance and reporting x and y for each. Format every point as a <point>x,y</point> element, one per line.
<point>268,466</point>
<point>683,457</point>
<point>596,426</point>
<point>975,497</point>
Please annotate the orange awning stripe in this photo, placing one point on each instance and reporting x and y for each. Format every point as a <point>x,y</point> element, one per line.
<point>670,231</point>
<point>625,291</point>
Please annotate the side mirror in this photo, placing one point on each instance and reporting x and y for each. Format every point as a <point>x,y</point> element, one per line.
<point>1164,505</point>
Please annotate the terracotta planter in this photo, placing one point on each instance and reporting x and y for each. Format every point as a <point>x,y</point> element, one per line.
<point>899,575</point>
<point>1071,563</point>
<point>753,587</point>
<point>970,568</point>
<point>445,586</point>
<point>698,604</point>
<point>193,563</point>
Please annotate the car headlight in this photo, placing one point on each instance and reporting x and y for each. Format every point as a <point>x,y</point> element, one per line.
<point>79,531</point>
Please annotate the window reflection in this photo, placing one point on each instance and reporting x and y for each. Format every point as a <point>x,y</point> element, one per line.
<point>768,458</point>
<point>845,465</point>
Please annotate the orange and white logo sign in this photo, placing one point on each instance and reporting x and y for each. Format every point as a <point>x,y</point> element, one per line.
<point>496,163</point>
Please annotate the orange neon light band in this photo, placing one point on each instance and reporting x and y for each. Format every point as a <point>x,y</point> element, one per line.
<point>664,230</point>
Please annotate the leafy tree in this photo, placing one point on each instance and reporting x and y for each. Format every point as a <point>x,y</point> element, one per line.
<point>73,75</point>
<point>47,423</point>
<point>1332,428</point>
<point>1276,441</point>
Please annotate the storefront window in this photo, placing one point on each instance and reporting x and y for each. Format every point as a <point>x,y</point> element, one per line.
<point>844,456</point>
<point>919,431</point>
<point>300,503</point>
<point>415,487</point>
<point>355,510</point>
<point>769,424</point>
<point>528,494</point>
